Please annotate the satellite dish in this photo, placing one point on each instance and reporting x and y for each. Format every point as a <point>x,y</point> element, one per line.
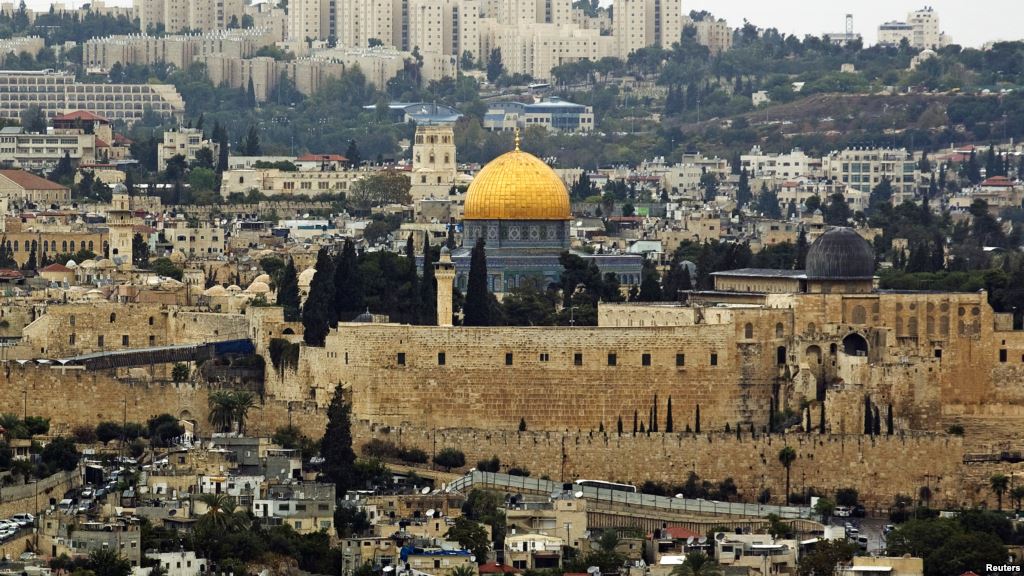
<point>719,537</point>
<point>389,569</point>
<point>426,490</point>
<point>679,496</point>
<point>689,541</point>
<point>556,493</point>
<point>430,513</point>
<point>578,494</point>
<point>702,540</point>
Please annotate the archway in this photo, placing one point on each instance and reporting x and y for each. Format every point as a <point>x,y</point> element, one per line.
<point>780,355</point>
<point>813,355</point>
<point>855,345</point>
<point>287,332</point>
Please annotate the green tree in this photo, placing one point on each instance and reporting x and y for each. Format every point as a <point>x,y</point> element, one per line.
<point>166,267</point>
<point>60,454</point>
<point>336,446</point>
<point>743,193</point>
<point>250,146</point>
<point>222,410</point>
<point>288,292</point>
<point>33,120</point>
<point>107,431</point>
<point>180,372</point>
<point>140,251</point>
<point>495,67</point>
<point>319,312</point>
<point>824,508</point>
<point>348,287</point>
<point>477,309</point>
<point>108,562</point>
<point>786,457</point>
<point>349,521</point>
<point>824,557</point>
<point>650,285</point>
<point>881,195</point>
<point>768,203</point>
<point>380,189</point>
<point>244,401</point>
<point>352,155</point>
<point>471,536</point>
<point>697,564</point>
<point>847,497</point>
<point>449,458</point>
<point>999,483</point>
<point>837,212</point>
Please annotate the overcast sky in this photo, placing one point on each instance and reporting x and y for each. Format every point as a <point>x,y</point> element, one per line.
<point>970,23</point>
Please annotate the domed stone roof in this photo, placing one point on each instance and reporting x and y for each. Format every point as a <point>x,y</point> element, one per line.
<point>517,186</point>
<point>258,287</point>
<point>840,254</point>
<point>306,277</point>
<point>265,278</point>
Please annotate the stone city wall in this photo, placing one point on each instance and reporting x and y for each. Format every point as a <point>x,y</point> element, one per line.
<point>878,467</point>
<point>32,497</point>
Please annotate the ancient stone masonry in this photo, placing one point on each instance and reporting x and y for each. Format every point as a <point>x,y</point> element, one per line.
<point>878,467</point>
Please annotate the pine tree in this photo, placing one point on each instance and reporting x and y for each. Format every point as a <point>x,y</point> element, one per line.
<point>412,301</point>
<point>220,134</point>
<point>889,420</point>
<point>450,240</point>
<point>992,163</point>
<point>876,423</point>
<point>336,447</point>
<point>800,262</point>
<point>668,418</point>
<point>288,292</point>
<point>973,170</point>
<point>30,264</point>
<point>477,309</point>
<point>319,312</point>
<point>348,286</point>
<point>807,419</point>
<point>696,421</point>
<point>355,159</point>
<point>428,286</point>
<point>618,425</point>
<point>251,143</point>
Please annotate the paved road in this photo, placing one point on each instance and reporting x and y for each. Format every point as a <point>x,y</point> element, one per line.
<point>870,527</point>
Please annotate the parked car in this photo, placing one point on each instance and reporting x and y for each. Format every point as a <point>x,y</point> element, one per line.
<point>859,511</point>
<point>842,511</point>
<point>25,519</point>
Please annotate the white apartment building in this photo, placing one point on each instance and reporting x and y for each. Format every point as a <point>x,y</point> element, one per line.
<point>184,142</point>
<point>921,30</point>
<point>714,34</point>
<point>179,563</point>
<point>177,49</point>
<point>641,23</point>
<point>178,15</point>
<point>799,190</point>
<point>30,44</point>
<point>311,20</point>
<point>362,20</point>
<point>864,168</point>
<point>781,166</point>
<point>274,182</point>
<point>58,93</point>
<point>44,151</point>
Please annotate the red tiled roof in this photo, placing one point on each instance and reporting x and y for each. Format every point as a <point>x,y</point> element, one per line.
<point>492,568</point>
<point>56,268</point>
<point>122,139</point>
<point>30,181</point>
<point>81,115</point>
<point>321,158</point>
<point>101,144</point>
<point>10,274</point>
<point>997,181</point>
<point>679,533</point>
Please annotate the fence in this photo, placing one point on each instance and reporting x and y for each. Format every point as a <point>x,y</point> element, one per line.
<point>623,498</point>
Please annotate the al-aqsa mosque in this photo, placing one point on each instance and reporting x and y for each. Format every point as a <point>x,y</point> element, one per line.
<point>520,207</point>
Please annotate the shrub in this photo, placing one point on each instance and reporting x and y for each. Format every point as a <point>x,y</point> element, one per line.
<point>518,471</point>
<point>377,448</point>
<point>955,430</point>
<point>107,431</point>
<point>413,455</point>
<point>491,465</point>
<point>85,435</point>
<point>283,354</point>
<point>847,497</point>
<point>450,458</point>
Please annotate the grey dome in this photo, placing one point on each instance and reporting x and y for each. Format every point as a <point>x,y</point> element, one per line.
<point>840,254</point>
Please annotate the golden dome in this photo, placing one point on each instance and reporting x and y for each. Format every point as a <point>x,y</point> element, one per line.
<point>517,186</point>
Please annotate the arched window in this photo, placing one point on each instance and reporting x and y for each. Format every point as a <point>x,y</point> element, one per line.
<point>748,331</point>
<point>113,317</point>
<point>855,345</point>
<point>780,330</point>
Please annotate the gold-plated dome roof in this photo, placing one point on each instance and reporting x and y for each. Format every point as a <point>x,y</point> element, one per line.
<point>517,186</point>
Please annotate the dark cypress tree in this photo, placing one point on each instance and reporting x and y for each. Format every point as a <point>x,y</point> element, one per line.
<point>800,263</point>
<point>353,156</point>
<point>220,134</point>
<point>668,417</point>
<point>876,423</point>
<point>807,420</point>
<point>634,421</point>
<point>650,286</point>
<point>642,431</point>
<point>477,309</point>
<point>696,421</point>
<point>336,447</point>
<point>868,425</point>
<point>654,414</point>
<point>973,170</point>
<point>428,286</point>
<point>771,414</point>
<point>522,424</point>
<point>348,286</point>
<point>250,94</point>
<point>412,302</point>
<point>889,420</point>
<point>288,292</point>
<point>743,193</point>
<point>618,425</point>
<point>821,419</point>
<point>450,241</point>
<point>30,264</point>
<point>319,311</point>
<point>650,420</point>
<point>938,256</point>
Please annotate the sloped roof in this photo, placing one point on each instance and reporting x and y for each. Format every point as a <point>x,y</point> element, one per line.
<point>81,115</point>
<point>30,181</point>
<point>56,268</point>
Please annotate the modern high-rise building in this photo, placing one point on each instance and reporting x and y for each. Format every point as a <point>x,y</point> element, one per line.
<point>178,15</point>
<point>642,23</point>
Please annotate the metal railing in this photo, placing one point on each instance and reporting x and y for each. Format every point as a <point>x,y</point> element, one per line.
<point>620,497</point>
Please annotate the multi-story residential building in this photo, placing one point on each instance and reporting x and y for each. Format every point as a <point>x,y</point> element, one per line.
<point>785,166</point>
<point>185,142</point>
<point>58,92</point>
<point>180,15</point>
<point>360,21</point>
<point>310,20</point>
<point>714,34</point>
<point>17,45</point>
<point>180,50</point>
<point>307,507</point>
<point>921,30</point>
<point>87,537</point>
<point>642,23</point>
<point>179,563</point>
<point>799,190</point>
<point>864,168</point>
<point>19,149</point>
<point>203,238</point>
<point>552,114</point>
<point>307,74</point>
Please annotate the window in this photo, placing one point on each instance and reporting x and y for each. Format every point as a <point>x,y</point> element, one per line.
<point>113,317</point>
<point>508,358</point>
<point>612,359</point>
<point>1002,355</point>
<point>938,354</point>
<point>645,359</point>
<point>150,320</point>
<point>99,340</point>
<point>152,340</point>
<point>440,358</point>
<point>680,359</point>
<point>124,340</point>
<point>71,339</point>
<point>401,358</point>
<point>577,359</point>
<point>714,359</point>
<point>544,356</point>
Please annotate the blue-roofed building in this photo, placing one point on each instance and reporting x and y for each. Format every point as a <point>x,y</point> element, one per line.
<point>421,112</point>
<point>551,113</point>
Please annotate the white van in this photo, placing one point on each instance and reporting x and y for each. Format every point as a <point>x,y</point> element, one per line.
<point>843,511</point>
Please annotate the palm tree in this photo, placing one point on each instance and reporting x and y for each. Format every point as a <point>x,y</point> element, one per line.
<point>1017,493</point>
<point>220,509</point>
<point>243,402</point>
<point>697,564</point>
<point>463,570</point>
<point>999,483</point>
<point>222,410</point>
<point>786,456</point>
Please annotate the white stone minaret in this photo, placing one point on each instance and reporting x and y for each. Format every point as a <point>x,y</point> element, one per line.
<point>121,222</point>
<point>444,273</point>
